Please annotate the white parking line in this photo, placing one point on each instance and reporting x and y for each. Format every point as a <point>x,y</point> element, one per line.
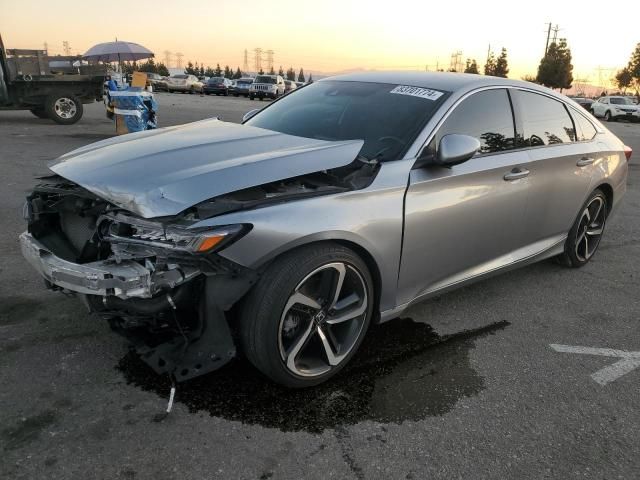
<point>628,362</point>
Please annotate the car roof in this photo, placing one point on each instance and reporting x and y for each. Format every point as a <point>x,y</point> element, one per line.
<point>446,81</point>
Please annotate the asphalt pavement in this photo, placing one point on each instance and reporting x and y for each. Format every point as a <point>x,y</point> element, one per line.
<point>483,382</point>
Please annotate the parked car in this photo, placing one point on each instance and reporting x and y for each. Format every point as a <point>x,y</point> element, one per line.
<point>289,86</point>
<point>217,85</point>
<point>615,108</point>
<point>318,216</point>
<point>267,86</point>
<point>154,79</point>
<point>184,83</point>
<point>583,102</point>
<point>241,86</point>
<point>300,84</point>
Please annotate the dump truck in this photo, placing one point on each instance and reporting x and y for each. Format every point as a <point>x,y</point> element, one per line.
<point>53,87</point>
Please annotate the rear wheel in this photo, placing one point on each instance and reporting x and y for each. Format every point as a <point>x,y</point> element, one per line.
<point>307,316</point>
<point>64,110</point>
<point>586,232</point>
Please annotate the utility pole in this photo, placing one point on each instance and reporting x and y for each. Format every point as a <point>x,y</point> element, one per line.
<point>245,64</point>
<point>488,53</point>
<point>67,48</point>
<point>167,58</point>
<point>270,59</point>
<point>555,31</point>
<point>46,48</point>
<point>258,59</point>
<point>179,56</point>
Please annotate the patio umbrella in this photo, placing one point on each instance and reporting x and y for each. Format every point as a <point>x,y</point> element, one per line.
<point>117,52</point>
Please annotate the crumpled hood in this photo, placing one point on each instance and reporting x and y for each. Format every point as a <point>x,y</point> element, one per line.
<point>162,172</point>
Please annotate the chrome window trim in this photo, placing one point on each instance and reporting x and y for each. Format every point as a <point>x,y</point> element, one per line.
<point>429,136</point>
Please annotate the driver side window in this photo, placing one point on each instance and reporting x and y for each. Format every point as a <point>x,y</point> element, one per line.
<point>486,116</point>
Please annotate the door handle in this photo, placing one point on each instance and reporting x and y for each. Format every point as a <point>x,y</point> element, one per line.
<point>584,161</point>
<point>516,173</point>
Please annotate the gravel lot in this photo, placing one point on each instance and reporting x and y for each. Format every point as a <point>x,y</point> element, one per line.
<point>463,386</point>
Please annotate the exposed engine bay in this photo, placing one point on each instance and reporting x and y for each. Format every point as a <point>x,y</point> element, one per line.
<point>159,282</point>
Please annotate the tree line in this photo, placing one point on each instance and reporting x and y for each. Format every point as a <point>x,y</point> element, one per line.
<point>629,76</point>
<point>151,66</point>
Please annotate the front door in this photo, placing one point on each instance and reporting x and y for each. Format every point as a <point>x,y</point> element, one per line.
<point>468,219</point>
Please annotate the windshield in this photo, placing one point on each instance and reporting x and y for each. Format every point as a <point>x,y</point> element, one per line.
<point>621,101</point>
<point>244,82</point>
<point>265,79</point>
<point>180,76</point>
<point>387,117</point>
<point>216,80</point>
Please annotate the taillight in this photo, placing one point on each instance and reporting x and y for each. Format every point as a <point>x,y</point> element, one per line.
<point>627,152</point>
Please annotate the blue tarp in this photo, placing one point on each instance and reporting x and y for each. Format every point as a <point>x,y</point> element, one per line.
<point>137,107</point>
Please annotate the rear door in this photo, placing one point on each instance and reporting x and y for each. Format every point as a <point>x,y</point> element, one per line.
<point>467,219</point>
<point>561,163</point>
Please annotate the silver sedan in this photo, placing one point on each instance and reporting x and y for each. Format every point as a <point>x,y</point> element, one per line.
<point>336,206</point>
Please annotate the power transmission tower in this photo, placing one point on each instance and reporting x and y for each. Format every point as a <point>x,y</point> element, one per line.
<point>67,48</point>
<point>257,52</point>
<point>270,60</point>
<point>179,56</point>
<point>167,58</point>
<point>245,64</point>
<point>456,61</point>
<point>46,48</point>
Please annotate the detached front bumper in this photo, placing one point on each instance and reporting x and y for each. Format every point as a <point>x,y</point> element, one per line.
<point>125,280</point>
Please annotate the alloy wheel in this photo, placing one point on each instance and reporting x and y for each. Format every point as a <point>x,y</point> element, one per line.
<point>323,319</point>
<point>65,108</point>
<point>590,229</point>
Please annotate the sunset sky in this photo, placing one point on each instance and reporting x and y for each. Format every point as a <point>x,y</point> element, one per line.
<point>327,35</point>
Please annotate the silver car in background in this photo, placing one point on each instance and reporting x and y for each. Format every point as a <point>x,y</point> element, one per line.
<point>336,206</point>
<point>184,83</point>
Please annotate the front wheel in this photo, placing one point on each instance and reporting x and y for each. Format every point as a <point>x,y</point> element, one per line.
<point>586,232</point>
<point>607,116</point>
<point>307,316</point>
<point>64,110</point>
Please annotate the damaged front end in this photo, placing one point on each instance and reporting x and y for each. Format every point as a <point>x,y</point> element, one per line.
<point>159,283</point>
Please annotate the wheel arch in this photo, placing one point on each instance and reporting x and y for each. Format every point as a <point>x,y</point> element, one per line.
<point>359,249</point>
<point>608,193</point>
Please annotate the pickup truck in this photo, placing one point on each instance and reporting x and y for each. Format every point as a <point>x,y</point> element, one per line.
<point>28,81</point>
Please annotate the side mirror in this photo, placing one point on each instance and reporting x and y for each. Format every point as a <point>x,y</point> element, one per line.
<point>250,114</point>
<point>455,149</point>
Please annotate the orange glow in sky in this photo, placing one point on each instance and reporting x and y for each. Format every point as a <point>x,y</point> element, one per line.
<point>327,35</point>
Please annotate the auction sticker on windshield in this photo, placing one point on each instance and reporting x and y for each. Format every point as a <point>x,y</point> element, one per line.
<point>417,92</point>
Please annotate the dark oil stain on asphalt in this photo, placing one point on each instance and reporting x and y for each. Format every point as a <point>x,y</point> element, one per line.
<point>403,371</point>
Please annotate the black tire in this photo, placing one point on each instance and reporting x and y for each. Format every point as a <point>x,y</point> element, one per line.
<point>260,98</point>
<point>250,97</point>
<point>56,109</point>
<point>39,112</point>
<point>236,95</point>
<point>226,93</point>
<point>262,309</point>
<point>607,116</point>
<point>573,250</point>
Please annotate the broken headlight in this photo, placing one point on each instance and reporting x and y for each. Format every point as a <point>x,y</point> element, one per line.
<point>172,237</point>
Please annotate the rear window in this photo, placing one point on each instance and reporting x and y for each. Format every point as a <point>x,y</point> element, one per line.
<point>216,80</point>
<point>181,76</point>
<point>545,121</point>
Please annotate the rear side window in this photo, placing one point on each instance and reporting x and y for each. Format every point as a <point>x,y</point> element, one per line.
<point>544,121</point>
<point>484,115</point>
<point>584,128</point>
